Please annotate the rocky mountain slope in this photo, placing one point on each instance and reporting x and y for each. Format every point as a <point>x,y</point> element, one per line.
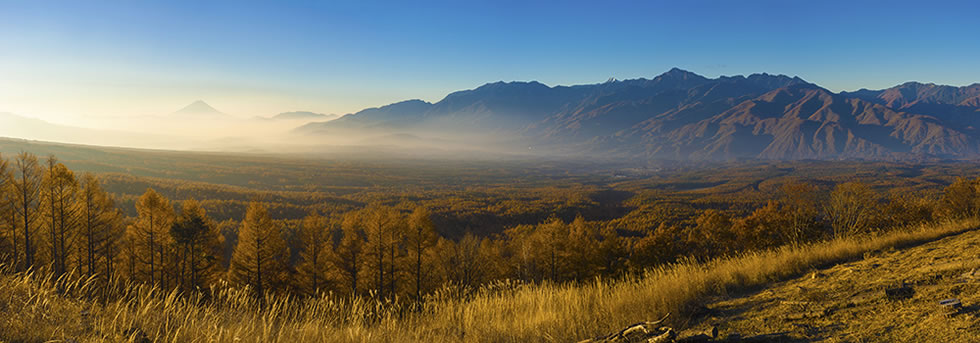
<point>959,105</point>
<point>682,115</point>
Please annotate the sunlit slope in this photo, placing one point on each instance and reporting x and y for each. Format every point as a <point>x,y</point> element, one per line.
<point>848,302</point>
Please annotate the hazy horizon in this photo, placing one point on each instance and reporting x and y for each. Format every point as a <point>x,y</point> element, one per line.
<point>125,59</point>
<point>489,171</point>
<point>123,68</point>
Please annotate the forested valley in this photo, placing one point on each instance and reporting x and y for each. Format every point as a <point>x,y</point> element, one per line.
<point>399,235</point>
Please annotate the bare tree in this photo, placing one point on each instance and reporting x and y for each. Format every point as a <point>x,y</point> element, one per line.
<point>852,208</point>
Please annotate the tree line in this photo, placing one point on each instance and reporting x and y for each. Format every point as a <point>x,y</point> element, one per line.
<point>56,221</point>
<point>53,219</point>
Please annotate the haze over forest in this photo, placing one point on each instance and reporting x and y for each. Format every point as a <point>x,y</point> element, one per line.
<point>489,171</point>
<point>486,81</point>
<point>676,115</point>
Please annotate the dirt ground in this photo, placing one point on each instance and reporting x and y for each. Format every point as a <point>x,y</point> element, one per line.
<point>849,302</point>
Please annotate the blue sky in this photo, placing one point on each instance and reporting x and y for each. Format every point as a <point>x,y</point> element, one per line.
<point>63,59</point>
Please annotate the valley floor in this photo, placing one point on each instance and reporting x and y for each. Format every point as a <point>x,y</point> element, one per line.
<point>847,302</point>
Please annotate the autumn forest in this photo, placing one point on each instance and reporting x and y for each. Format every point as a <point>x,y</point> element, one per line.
<point>396,236</point>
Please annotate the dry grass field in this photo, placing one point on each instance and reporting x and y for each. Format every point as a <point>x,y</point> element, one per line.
<point>39,309</point>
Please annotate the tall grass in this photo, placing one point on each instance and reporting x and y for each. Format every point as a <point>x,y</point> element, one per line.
<point>35,308</point>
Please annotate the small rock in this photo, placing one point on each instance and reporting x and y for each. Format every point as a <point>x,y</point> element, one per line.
<point>951,306</point>
<point>905,291</point>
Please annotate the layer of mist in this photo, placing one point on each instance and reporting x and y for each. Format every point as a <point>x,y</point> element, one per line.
<point>226,133</point>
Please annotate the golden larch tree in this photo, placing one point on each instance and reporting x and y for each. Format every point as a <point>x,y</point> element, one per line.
<point>346,260</point>
<point>198,247</point>
<point>260,259</point>
<point>420,241</point>
<point>381,226</point>
<point>60,191</point>
<point>27,203</point>
<point>8,228</point>
<point>583,248</point>
<point>100,228</point>
<point>149,237</point>
<point>550,240</point>
<point>315,255</point>
<point>462,263</point>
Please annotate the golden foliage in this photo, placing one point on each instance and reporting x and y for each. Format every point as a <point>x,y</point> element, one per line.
<point>260,261</point>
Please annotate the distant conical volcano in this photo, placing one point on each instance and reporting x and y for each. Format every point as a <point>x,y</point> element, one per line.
<point>199,109</point>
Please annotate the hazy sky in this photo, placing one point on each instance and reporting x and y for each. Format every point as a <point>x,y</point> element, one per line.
<point>65,59</point>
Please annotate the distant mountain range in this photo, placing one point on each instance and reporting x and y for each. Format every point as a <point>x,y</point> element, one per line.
<point>16,126</point>
<point>202,110</point>
<point>303,115</point>
<point>197,126</point>
<point>683,115</point>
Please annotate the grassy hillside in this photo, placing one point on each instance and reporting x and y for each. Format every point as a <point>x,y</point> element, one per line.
<point>40,309</point>
<point>847,302</point>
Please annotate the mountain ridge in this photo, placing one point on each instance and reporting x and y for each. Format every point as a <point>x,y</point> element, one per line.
<point>303,115</point>
<point>682,115</point>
